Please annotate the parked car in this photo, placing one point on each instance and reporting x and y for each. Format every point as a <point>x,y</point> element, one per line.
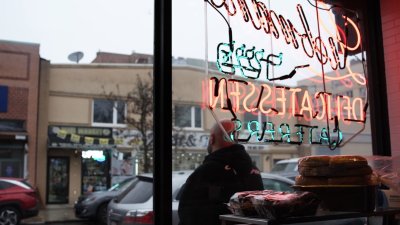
<point>276,182</point>
<point>93,206</point>
<point>18,200</point>
<point>287,168</point>
<point>135,206</point>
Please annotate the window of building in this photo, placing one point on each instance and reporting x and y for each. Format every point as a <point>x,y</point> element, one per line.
<point>108,112</point>
<point>188,116</point>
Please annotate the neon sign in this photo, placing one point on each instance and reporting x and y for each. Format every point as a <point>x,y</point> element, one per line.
<point>269,21</point>
<point>249,94</point>
<point>249,62</point>
<point>240,96</point>
<point>267,132</point>
<point>94,154</point>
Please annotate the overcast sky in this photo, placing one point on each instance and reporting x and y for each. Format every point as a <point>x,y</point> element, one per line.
<point>122,26</point>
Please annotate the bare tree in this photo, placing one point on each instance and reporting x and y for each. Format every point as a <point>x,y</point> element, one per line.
<point>139,114</point>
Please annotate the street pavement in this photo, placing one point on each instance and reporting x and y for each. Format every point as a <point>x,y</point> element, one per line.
<point>65,223</point>
<point>56,215</point>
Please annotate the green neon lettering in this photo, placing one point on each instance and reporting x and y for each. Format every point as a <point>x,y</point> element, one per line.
<point>238,127</point>
<point>324,136</point>
<point>270,131</point>
<point>300,133</point>
<point>310,135</point>
<point>285,134</point>
<point>250,128</point>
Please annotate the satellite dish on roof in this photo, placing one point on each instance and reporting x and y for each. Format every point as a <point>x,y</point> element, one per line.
<point>75,56</point>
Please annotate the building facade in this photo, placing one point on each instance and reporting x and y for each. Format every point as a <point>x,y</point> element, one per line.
<point>19,86</point>
<point>81,151</point>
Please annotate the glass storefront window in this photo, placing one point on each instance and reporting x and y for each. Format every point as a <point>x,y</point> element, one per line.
<point>69,69</point>
<point>302,71</point>
<point>290,73</point>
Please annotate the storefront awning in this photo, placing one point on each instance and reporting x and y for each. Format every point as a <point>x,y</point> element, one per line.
<point>71,137</point>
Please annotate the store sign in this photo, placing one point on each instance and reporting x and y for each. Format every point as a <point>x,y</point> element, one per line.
<point>247,83</point>
<point>94,154</point>
<point>80,137</point>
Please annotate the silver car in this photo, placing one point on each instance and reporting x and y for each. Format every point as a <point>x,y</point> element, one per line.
<point>93,206</point>
<point>287,168</point>
<point>135,205</point>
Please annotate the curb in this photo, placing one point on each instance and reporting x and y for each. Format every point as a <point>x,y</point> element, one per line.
<point>33,220</point>
<point>42,221</point>
<point>52,216</point>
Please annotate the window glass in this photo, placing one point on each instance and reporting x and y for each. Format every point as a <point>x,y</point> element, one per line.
<point>27,184</point>
<point>5,185</point>
<point>197,117</point>
<point>306,102</point>
<point>98,73</point>
<point>108,111</point>
<point>291,167</point>
<point>103,111</point>
<point>187,116</point>
<point>121,186</point>
<point>183,115</point>
<point>120,110</point>
<point>58,185</point>
<point>271,184</point>
<point>139,193</point>
<point>279,167</point>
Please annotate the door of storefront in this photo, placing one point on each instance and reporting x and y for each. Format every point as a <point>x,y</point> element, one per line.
<point>58,180</point>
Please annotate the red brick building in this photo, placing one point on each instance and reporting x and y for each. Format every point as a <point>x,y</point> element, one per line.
<point>19,86</point>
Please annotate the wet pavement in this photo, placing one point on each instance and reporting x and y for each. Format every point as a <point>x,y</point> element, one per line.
<point>60,214</point>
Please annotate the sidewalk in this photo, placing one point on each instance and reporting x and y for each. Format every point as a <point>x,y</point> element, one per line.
<point>53,214</point>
